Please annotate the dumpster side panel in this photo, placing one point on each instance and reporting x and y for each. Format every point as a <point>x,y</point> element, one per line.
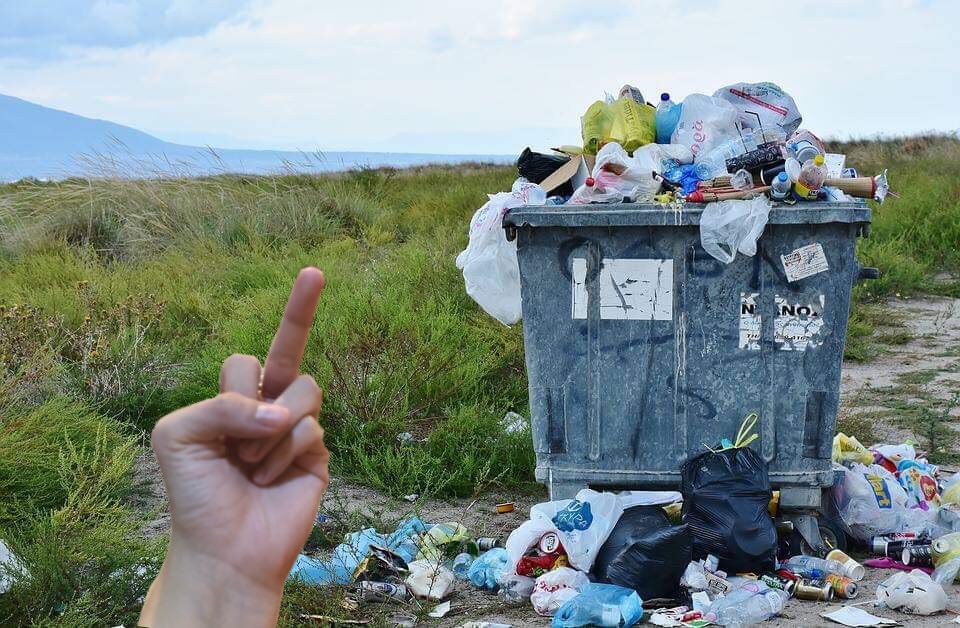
<point>642,349</point>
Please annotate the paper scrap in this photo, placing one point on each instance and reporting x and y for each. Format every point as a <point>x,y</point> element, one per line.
<point>440,610</point>
<point>857,618</point>
<point>803,262</point>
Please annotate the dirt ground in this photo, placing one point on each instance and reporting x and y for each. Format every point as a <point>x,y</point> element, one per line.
<point>935,328</point>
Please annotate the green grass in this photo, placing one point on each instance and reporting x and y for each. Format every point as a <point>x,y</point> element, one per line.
<point>120,298</point>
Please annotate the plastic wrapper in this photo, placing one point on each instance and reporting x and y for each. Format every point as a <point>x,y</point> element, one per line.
<point>705,122</point>
<point>735,225</point>
<point>725,498</point>
<point>914,592</point>
<point>489,263</point>
<point>535,167</point>
<point>604,605</point>
<point>762,105</point>
<point>645,553</point>
<point>433,544</point>
<point>514,588</point>
<point>917,480</point>
<point>554,588</point>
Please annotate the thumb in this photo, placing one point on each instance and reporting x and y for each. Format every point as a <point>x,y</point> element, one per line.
<point>228,414</point>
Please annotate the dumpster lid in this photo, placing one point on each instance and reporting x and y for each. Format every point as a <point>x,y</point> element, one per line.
<point>653,214</point>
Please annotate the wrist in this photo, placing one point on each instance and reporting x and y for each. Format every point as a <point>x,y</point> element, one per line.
<point>200,590</point>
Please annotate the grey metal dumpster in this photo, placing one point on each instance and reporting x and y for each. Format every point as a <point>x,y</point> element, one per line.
<point>641,348</point>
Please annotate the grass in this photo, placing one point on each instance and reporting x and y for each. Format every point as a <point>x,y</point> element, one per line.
<point>119,299</point>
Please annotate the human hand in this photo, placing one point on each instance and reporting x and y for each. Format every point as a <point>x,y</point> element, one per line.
<point>244,472</point>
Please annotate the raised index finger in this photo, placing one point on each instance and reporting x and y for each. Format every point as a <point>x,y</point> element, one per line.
<point>283,361</point>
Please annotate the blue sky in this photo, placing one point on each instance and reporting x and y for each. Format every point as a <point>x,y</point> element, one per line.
<point>450,76</point>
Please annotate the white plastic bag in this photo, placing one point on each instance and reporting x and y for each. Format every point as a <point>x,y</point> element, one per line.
<point>913,592</point>
<point>429,579</point>
<point>554,588</point>
<point>730,226</point>
<point>583,524</point>
<point>524,537</point>
<point>615,175</point>
<point>705,122</point>
<point>762,105</point>
<point>489,263</point>
<point>871,502</point>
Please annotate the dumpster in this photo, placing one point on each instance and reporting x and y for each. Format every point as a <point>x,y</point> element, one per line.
<point>641,349</point>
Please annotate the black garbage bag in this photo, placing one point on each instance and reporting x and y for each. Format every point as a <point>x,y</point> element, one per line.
<point>535,167</point>
<point>725,499</point>
<point>644,552</point>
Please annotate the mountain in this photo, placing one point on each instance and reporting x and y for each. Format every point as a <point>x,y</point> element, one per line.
<point>37,141</point>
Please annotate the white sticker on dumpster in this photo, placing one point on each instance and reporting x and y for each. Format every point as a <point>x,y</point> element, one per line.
<point>630,289</point>
<point>803,262</point>
<point>749,322</point>
<point>797,326</point>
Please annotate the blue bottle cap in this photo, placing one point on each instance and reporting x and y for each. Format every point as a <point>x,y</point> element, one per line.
<point>782,176</point>
<point>664,96</point>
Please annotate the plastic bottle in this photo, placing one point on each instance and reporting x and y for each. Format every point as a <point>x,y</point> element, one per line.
<point>780,187</point>
<point>741,180</point>
<point>813,567</point>
<point>461,565</point>
<point>668,115</point>
<point>812,175</point>
<point>745,607</point>
<point>714,163</point>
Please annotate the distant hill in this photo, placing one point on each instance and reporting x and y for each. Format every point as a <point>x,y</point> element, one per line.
<point>37,141</point>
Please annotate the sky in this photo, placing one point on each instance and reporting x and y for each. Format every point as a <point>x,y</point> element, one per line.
<point>478,77</point>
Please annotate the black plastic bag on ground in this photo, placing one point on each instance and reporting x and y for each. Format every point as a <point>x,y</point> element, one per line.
<point>725,499</point>
<point>644,552</point>
<point>535,167</point>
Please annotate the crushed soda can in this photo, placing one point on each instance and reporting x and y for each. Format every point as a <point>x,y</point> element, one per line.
<point>843,587</point>
<point>368,591</point>
<point>815,590</point>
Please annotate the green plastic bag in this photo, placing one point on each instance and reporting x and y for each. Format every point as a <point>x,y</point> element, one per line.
<point>624,121</point>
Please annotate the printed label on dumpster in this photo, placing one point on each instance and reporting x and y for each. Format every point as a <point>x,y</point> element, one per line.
<point>630,289</point>
<point>806,261</point>
<point>749,322</point>
<point>796,326</point>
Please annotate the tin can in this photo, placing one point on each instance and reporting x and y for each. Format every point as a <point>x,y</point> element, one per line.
<point>816,590</point>
<point>549,543</point>
<point>918,556</point>
<point>894,549</point>
<point>784,584</point>
<point>382,591</point>
<point>487,543</point>
<point>843,587</point>
<point>505,507</point>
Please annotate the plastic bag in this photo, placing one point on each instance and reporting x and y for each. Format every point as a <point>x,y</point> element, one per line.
<point>514,588</point>
<point>485,571</point>
<point>524,537</point>
<point>600,605</point>
<point>725,498</point>
<point>583,524</point>
<point>913,592</point>
<point>735,225</point>
<point>439,537</point>
<point>554,588</point>
<point>705,122</point>
<point>535,167</point>
<point>762,105</point>
<point>430,580</point>
<point>489,263</point>
<point>645,553</point>
<point>871,502</point>
<point>624,121</point>
<point>848,449</point>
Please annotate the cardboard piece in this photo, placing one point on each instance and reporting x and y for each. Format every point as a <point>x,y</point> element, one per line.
<point>576,171</point>
<point>857,618</point>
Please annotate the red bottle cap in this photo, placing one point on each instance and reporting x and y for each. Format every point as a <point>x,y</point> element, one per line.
<point>590,182</point>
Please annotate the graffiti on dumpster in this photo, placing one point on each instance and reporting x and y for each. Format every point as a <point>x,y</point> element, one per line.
<point>796,326</point>
<point>630,289</point>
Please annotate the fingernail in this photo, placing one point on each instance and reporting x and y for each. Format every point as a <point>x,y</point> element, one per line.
<point>271,415</point>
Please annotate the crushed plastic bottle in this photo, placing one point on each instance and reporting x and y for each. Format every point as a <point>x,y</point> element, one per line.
<point>813,567</point>
<point>667,117</point>
<point>741,180</point>
<point>748,605</point>
<point>811,178</point>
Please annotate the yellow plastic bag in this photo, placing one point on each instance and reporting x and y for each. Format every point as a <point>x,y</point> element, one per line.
<point>848,449</point>
<point>624,121</point>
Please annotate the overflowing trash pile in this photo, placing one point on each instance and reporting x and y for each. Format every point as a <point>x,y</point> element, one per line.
<point>713,553</point>
<point>741,151</point>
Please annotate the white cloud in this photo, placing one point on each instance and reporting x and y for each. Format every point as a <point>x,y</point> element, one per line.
<point>293,73</point>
